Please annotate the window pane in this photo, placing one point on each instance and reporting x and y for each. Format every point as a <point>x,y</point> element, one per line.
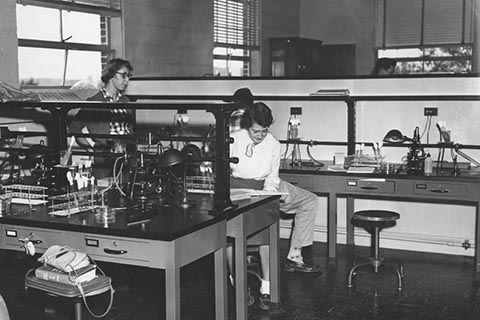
<point>231,51</point>
<point>400,53</point>
<point>444,66</point>
<point>81,64</point>
<point>409,67</point>
<point>38,23</point>
<point>448,51</point>
<point>83,27</point>
<point>238,52</point>
<point>228,68</point>
<point>220,50</point>
<point>449,66</point>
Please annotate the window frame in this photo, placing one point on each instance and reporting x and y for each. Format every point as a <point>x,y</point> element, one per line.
<point>97,7</point>
<point>386,22</point>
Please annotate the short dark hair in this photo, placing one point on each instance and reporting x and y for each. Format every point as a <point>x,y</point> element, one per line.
<point>258,112</point>
<point>243,95</point>
<point>384,63</point>
<point>112,66</point>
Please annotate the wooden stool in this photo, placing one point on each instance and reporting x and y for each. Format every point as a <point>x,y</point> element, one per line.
<point>377,219</point>
<point>93,287</point>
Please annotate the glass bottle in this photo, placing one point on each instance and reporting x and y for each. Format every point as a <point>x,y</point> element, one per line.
<point>428,165</point>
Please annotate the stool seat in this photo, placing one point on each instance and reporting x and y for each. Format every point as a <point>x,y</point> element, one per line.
<point>98,285</point>
<point>376,215</point>
<point>376,220</point>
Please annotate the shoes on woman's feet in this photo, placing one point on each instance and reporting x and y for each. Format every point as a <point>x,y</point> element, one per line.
<point>294,266</point>
<point>264,302</point>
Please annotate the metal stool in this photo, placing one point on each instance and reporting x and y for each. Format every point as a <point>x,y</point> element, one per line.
<point>93,287</point>
<point>377,219</point>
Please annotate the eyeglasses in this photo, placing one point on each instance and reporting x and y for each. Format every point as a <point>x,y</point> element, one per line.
<point>125,75</point>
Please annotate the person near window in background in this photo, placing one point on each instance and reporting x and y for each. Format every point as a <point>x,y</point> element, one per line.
<point>384,66</point>
<point>115,77</point>
<point>258,152</point>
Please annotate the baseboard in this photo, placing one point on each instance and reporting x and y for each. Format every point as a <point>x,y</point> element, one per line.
<point>393,240</point>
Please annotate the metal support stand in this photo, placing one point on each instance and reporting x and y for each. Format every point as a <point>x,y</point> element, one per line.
<point>296,155</point>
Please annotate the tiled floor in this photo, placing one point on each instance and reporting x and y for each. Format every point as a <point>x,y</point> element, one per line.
<point>436,287</point>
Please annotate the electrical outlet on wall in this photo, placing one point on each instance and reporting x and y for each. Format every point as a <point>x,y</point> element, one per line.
<point>430,111</point>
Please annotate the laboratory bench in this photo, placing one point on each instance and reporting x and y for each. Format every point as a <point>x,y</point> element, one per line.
<point>442,187</point>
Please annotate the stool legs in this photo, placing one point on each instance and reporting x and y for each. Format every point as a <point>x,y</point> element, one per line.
<point>376,262</point>
<point>78,309</point>
<point>376,248</point>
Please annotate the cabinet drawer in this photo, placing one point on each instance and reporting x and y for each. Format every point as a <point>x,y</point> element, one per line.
<point>117,249</point>
<point>42,238</point>
<point>369,186</point>
<point>440,189</point>
<point>302,181</point>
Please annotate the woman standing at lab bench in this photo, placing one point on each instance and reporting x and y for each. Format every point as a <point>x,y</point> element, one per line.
<point>115,77</point>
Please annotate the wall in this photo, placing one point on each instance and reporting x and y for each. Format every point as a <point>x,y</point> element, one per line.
<point>8,43</point>
<point>342,22</point>
<point>174,38</point>
<point>280,18</point>
<point>423,227</point>
<point>169,38</point>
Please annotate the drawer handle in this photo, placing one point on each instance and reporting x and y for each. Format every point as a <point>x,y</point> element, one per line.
<point>369,187</point>
<point>440,190</point>
<point>294,183</point>
<point>30,240</point>
<point>111,251</point>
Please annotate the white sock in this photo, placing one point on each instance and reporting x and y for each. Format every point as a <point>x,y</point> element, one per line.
<point>231,279</point>
<point>295,254</point>
<point>265,287</point>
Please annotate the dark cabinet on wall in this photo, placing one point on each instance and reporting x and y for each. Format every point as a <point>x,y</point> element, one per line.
<point>302,57</point>
<point>294,56</point>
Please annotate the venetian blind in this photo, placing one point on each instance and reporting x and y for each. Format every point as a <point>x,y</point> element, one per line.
<point>425,22</point>
<point>236,22</point>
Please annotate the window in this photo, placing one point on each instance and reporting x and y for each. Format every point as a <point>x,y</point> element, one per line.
<point>235,36</point>
<point>443,59</point>
<point>67,42</point>
<point>426,36</point>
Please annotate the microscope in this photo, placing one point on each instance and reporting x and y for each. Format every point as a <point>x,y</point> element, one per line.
<point>416,155</point>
